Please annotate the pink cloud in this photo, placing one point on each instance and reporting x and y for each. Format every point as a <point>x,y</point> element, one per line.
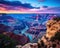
<point>20,9</point>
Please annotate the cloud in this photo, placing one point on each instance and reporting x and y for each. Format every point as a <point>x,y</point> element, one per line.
<point>18,7</point>
<point>51,10</point>
<point>16,4</point>
<point>12,8</point>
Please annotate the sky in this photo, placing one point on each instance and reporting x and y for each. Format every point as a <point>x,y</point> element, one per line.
<point>38,3</point>
<point>29,5</point>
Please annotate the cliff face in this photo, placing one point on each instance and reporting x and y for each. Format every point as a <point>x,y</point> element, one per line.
<point>53,27</point>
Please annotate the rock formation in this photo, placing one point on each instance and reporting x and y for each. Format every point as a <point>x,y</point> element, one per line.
<point>53,26</point>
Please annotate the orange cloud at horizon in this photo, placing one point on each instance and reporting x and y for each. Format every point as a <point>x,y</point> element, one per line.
<point>4,9</point>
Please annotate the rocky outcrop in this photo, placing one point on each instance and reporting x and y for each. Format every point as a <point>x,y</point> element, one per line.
<point>53,26</point>
<point>31,45</point>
